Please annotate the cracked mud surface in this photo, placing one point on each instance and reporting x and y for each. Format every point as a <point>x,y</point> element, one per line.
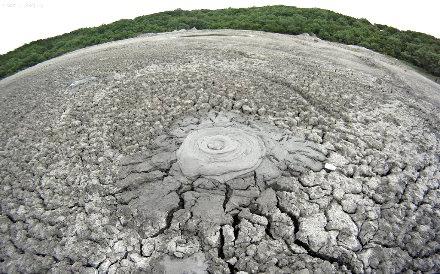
<point>90,180</point>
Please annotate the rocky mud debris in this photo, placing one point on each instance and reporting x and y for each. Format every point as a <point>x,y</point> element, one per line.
<point>336,152</point>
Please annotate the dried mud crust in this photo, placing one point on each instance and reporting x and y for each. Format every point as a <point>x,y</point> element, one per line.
<point>90,180</point>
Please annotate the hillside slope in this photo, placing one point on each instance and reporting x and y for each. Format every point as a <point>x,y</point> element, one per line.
<point>416,48</point>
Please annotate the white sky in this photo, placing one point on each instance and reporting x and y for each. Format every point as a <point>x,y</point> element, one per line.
<point>23,21</point>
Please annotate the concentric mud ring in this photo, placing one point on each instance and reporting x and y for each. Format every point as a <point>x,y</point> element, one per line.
<point>220,153</point>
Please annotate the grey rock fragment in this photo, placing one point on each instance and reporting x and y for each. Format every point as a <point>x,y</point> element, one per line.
<point>312,231</point>
<point>329,167</point>
<point>341,221</point>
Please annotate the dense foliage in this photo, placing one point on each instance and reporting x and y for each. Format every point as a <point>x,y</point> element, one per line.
<point>416,48</point>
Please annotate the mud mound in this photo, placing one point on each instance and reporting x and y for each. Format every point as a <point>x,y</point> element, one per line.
<point>220,151</point>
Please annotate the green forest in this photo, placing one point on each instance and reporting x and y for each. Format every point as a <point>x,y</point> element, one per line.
<point>416,48</point>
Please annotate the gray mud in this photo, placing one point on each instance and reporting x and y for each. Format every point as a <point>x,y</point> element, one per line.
<point>343,171</point>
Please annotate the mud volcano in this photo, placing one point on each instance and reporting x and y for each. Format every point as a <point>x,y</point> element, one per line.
<point>220,152</point>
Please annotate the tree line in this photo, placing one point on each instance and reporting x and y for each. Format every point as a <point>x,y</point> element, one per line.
<point>419,49</point>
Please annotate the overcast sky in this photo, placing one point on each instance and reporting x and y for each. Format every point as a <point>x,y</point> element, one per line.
<point>23,21</point>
